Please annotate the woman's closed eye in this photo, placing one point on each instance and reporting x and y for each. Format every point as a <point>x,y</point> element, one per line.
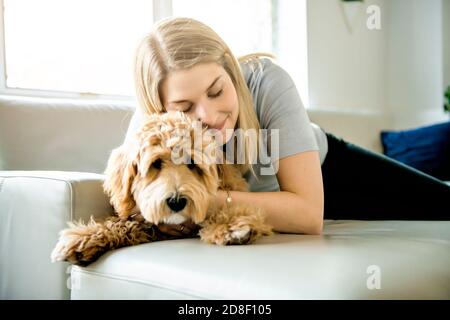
<point>187,109</point>
<point>210,95</point>
<point>215,95</point>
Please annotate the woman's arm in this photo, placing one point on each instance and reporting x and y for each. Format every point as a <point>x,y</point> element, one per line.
<point>298,207</point>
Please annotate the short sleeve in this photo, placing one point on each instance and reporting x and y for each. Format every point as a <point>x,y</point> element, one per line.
<point>281,110</point>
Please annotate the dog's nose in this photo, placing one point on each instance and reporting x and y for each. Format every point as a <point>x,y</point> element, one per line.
<point>176,203</point>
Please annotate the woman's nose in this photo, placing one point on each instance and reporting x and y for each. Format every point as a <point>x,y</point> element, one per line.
<point>204,114</point>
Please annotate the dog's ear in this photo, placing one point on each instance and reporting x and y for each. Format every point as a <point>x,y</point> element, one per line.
<point>120,173</point>
<point>231,178</point>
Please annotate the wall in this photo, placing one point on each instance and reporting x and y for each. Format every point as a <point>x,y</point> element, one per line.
<point>415,62</point>
<point>395,71</point>
<point>292,46</point>
<point>446,40</point>
<point>346,69</point>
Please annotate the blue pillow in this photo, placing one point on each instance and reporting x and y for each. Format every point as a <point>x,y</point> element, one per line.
<point>426,148</point>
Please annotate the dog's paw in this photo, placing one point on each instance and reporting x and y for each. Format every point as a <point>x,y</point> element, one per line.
<point>228,235</point>
<point>235,225</point>
<point>75,249</point>
<point>240,235</point>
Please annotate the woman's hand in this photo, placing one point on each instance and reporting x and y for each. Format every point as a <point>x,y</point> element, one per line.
<point>187,229</point>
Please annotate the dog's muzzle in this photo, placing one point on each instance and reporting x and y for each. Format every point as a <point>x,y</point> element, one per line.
<point>176,202</point>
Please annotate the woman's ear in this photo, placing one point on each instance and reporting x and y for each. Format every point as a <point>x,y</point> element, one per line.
<point>120,173</point>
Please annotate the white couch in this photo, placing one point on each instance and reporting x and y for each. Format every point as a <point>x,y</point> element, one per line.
<point>52,154</point>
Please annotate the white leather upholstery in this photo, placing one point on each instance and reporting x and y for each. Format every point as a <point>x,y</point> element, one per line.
<point>60,134</point>
<point>413,258</point>
<point>361,128</point>
<point>34,207</point>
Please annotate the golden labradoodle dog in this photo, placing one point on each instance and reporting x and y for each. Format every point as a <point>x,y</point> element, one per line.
<point>148,184</point>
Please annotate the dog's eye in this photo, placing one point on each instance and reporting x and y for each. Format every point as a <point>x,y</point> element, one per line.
<point>157,164</point>
<point>193,166</point>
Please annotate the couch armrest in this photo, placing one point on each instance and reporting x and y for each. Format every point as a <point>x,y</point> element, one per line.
<point>34,207</point>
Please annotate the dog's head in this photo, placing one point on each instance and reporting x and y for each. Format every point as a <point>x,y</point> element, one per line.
<point>168,172</point>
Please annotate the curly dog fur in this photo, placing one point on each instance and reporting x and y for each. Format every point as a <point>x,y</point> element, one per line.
<point>147,186</point>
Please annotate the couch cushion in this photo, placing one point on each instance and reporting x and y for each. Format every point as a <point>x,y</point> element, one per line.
<point>411,258</point>
<point>60,134</point>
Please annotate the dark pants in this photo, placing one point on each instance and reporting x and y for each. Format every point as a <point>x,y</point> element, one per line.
<point>364,185</point>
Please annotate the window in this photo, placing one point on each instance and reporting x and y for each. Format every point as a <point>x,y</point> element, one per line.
<point>74,47</point>
<point>246,26</point>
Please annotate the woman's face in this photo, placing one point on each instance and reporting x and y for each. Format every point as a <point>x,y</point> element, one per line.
<point>204,92</point>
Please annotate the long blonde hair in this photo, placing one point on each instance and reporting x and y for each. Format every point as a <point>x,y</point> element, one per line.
<point>181,43</point>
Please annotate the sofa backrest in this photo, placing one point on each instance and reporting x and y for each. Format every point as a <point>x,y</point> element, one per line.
<point>78,135</point>
<point>362,128</point>
<point>60,134</point>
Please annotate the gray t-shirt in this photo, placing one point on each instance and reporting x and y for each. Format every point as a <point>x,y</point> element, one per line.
<point>278,106</point>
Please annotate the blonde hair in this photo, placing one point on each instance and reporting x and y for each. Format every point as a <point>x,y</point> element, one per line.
<point>181,43</point>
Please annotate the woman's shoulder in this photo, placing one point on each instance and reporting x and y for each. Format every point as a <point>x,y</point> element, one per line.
<point>265,72</point>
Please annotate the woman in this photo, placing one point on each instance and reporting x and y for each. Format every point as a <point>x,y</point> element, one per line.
<point>184,65</point>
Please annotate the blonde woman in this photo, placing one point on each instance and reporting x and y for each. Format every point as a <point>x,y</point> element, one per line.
<point>183,65</point>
